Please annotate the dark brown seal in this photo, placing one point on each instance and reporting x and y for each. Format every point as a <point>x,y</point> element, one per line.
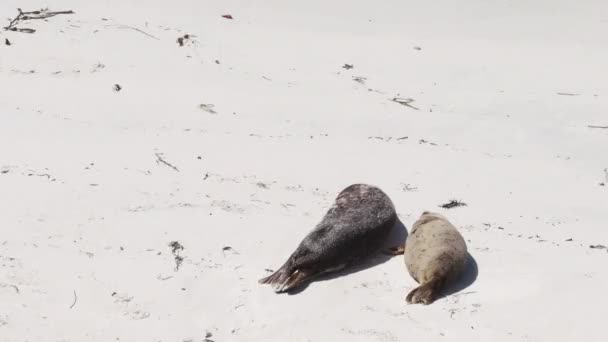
<point>355,227</point>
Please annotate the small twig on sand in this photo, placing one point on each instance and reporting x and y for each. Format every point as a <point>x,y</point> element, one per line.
<point>407,187</point>
<point>404,102</point>
<point>602,127</point>
<point>11,285</point>
<point>75,299</point>
<point>228,248</point>
<point>134,29</point>
<point>161,160</point>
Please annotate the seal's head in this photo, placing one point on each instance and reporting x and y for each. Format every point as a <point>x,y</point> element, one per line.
<point>432,216</point>
<point>426,217</point>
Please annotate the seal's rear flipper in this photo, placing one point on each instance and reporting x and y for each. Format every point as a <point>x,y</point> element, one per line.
<point>426,293</point>
<point>397,250</point>
<point>272,278</point>
<point>283,281</point>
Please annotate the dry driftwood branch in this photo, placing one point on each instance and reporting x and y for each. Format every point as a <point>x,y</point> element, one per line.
<point>31,15</point>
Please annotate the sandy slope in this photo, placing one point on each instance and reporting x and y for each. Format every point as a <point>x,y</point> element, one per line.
<point>87,209</point>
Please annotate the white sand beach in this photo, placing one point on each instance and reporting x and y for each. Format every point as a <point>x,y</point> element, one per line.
<point>235,144</point>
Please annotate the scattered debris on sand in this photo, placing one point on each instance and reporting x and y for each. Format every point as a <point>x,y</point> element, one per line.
<point>597,247</point>
<point>117,87</point>
<point>360,80</point>
<point>423,141</point>
<point>208,337</point>
<point>453,204</point>
<point>227,16</point>
<point>176,247</point>
<point>600,127</point>
<point>404,102</point>
<point>262,185</point>
<point>7,42</point>
<point>161,160</point>
<point>207,107</point>
<point>32,15</point>
<point>183,40</point>
<point>230,249</point>
<point>407,187</point>
<point>97,67</point>
<point>348,66</point>
<point>568,94</point>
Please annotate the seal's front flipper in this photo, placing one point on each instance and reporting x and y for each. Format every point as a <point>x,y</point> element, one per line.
<point>425,293</point>
<point>397,250</point>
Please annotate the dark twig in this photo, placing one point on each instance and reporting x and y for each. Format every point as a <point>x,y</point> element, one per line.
<point>161,160</point>
<point>453,204</point>
<point>176,247</point>
<point>404,102</point>
<point>75,299</point>
<point>602,127</point>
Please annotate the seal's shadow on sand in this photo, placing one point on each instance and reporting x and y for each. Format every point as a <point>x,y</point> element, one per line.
<point>467,278</point>
<point>397,237</point>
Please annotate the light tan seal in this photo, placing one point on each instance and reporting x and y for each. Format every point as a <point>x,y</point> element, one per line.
<point>435,255</point>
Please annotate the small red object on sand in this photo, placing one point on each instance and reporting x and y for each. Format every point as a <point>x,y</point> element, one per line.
<point>227,16</point>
